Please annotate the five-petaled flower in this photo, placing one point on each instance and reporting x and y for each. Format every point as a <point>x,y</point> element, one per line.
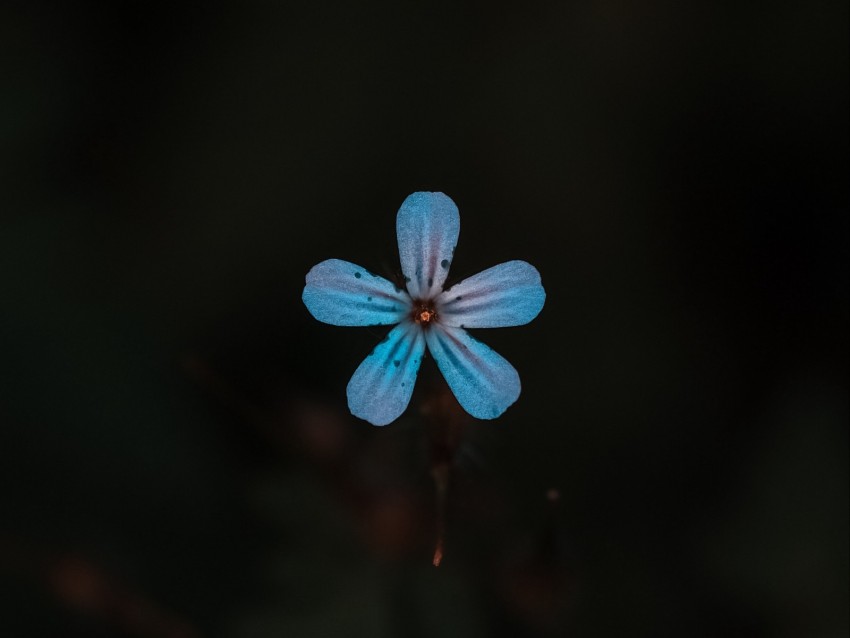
<point>510,294</point>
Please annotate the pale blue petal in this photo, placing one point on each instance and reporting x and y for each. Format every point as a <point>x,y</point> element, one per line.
<point>344,294</point>
<point>380,388</point>
<point>427,226</point>
<point>484,383</point>
<point>509,294</point>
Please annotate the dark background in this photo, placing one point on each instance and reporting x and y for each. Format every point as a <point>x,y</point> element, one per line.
<point>176,454</point>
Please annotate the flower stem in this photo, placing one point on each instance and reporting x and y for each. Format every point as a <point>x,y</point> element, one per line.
<point>445,420</point>
<point>441,484</point>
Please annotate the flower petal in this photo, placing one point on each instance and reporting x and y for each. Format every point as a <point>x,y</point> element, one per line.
<point>427,226</point>
<point>484,383</point>
<point>509,294</point>
<point>380,388</point>
<point>344,294</point>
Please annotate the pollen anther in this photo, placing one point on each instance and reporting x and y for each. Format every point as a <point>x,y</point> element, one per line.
<point>424,314</point>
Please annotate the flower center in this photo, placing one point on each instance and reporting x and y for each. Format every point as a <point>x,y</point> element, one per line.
<point>424,313</point>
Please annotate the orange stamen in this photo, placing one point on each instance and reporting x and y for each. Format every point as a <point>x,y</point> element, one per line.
<point>424,312</point>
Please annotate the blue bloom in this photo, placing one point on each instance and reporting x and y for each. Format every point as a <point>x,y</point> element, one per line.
<point>510,294</point>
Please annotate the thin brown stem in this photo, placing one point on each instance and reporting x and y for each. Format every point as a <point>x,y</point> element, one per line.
<point>441,483</point>
<point>445,420</point>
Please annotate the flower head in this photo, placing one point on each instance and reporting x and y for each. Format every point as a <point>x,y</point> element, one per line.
<point>427,316</point>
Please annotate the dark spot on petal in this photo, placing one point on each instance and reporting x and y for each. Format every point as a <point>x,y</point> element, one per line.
<point>368,299</point>
<point>358,275</point>
<point>430,281</point>
<point>445,263</point>
<point>396,363</point>
<point>459,297</point>
<point>402,384</point>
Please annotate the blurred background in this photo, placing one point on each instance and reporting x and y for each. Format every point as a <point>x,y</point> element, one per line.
<point>176,454</point>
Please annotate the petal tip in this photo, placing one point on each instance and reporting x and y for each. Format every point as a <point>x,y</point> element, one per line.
<point>378,423</point>
<point>431,197</point>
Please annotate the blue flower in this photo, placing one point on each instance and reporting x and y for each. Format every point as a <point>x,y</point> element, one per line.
<point>510,294</point>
